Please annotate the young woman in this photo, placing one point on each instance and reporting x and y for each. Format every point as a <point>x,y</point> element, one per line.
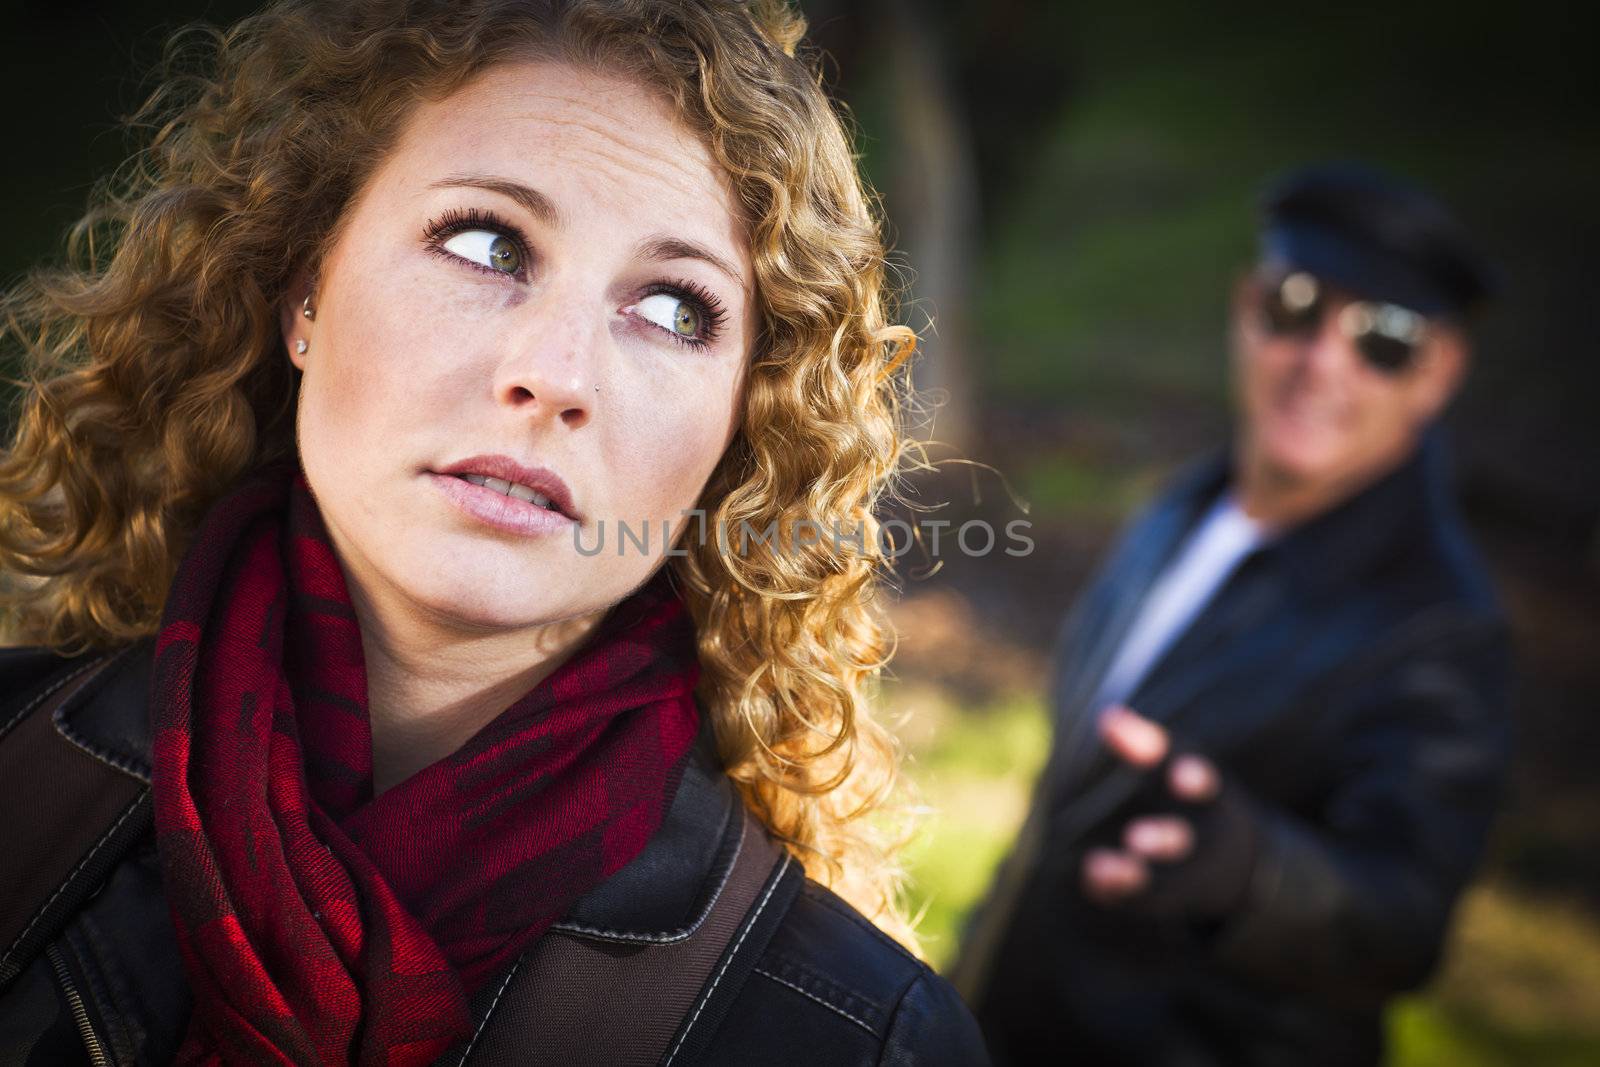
<point>406,520</point>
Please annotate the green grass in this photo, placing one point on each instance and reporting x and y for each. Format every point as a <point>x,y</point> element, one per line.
<point>1426,1033</point>
<point>975,773</point>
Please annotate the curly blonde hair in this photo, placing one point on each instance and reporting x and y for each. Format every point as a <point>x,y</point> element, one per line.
<point>154,377</point>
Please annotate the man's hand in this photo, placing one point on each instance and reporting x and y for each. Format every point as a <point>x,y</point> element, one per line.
<point>1197,862</point>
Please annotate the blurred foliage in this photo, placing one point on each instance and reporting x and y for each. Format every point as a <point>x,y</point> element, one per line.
<point>1108,266</point>
<point>1123,235</point>
<point>1066,487</point>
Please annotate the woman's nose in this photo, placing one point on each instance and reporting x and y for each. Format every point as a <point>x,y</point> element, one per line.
<point>550,368</point>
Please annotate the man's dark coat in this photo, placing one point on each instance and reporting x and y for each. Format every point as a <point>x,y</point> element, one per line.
<point>1352,678</point>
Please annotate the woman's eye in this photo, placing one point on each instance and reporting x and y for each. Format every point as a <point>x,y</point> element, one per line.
<point>671,313</point>
<point>493,250</point>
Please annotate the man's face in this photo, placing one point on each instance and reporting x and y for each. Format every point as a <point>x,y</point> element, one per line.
<point>1313,410</point>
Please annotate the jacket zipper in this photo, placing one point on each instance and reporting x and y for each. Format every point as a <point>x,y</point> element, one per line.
<point>97,1052</point>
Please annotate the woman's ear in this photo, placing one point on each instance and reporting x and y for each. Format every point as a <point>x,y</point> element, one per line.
<point>296,315</point>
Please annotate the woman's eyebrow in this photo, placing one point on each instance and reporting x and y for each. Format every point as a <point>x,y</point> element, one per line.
<point>537,204</point>
<point>664,247</point>
<point>544,209</point>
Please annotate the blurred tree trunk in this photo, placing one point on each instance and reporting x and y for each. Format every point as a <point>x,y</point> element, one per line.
<point>932,190</point>
<point>923,156</point>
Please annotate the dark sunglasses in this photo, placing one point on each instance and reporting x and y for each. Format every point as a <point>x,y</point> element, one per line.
<point>1388,336</point>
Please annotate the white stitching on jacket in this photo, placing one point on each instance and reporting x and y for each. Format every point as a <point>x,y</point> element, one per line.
<point>825,1003</point>
<point>117,762</point>
<point>671,935</point>
<point>492,1005</point>
<point>776,878</point>
<point>73,874</point>
<point>42,697</point>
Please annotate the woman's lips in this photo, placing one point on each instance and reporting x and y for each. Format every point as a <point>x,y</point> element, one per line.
<point>496,509</point>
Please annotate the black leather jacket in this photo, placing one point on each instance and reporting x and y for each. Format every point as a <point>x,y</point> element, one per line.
<point>827,988</point>
<point>1351,679</point>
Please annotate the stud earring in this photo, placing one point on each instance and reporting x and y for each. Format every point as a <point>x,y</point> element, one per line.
<point>306,308</point>
<point>300,346</point>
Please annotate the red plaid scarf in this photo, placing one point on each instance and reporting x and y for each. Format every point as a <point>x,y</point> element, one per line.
<point>319,925</point>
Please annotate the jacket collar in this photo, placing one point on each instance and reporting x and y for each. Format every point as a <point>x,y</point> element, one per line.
<point>106,717</point>
<point>662,895</point>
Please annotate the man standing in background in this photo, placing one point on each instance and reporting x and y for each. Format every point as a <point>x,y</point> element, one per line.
<point>1281,724</point>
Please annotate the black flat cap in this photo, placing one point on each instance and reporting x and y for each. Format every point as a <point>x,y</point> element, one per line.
<point>1376,235</point>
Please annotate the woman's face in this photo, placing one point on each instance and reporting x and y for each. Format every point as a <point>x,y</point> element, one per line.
<point>547,272</point>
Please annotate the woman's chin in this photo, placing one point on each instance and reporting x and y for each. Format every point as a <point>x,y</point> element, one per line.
<point>489,599</point>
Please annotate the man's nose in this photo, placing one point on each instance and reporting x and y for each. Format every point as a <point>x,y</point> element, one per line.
<point>552,359</point>
<point>1326,351</point>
